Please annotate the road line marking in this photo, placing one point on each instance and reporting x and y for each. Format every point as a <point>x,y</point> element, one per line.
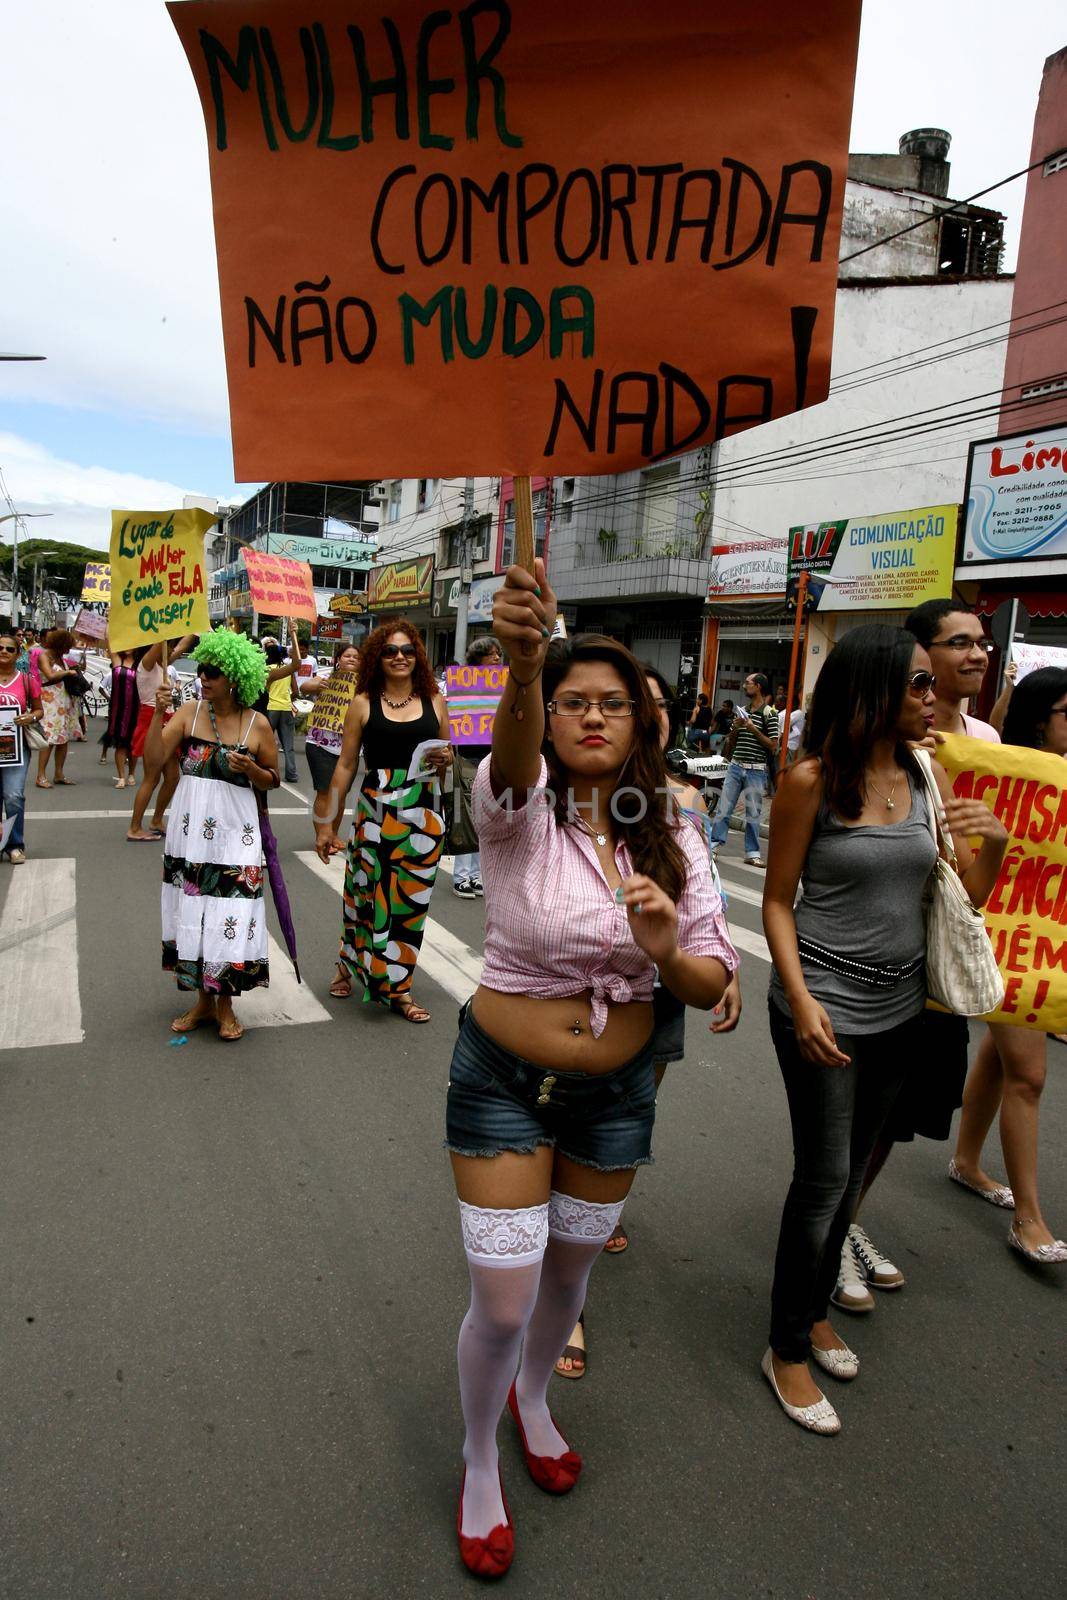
<point>740,891</point>
<point>452,965</point>
<point>39,934</point>
<point>285,1003</point>
<point>99,816</point>
<point>753,943</point>
<point>291,789</point>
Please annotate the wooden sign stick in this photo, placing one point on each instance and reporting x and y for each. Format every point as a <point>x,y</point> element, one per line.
<point>524,534</point>
<point>524,529</point>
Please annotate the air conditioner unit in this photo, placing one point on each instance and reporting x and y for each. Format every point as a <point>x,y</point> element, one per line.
<point>378,491</point>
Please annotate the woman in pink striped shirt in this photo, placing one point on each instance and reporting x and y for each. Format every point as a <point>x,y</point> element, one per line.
<point>592,882</point>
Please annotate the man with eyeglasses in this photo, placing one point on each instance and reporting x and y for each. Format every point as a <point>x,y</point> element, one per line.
<point>957,645</point>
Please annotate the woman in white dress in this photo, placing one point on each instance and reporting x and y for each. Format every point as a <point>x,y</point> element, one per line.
<point>214,923</point>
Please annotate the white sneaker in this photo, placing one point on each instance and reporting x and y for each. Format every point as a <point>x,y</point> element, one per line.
<point>819,1418</point>
<point>880,1272</point>
<point>754,861</point>
<point>851,1292</point>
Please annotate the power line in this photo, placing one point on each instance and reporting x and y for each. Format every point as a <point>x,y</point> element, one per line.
<point>935,216</point>
<point>987,327</point>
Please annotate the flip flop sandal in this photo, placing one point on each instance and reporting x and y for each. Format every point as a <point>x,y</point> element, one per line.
<point>152,838</point>
<point>618,1242</point>
<point>576,1352</point>
<point>230,1038</point>
<point>405,1008</point>
<point>341,987</point>
<point>179,1025</point>
<point>42,785</point>
<point>67,783</point>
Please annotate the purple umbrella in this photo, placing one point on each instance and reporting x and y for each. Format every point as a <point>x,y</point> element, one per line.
<point>277,882</point>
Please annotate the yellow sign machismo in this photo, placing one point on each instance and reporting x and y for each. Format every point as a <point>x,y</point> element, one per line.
<point>1026,915</point>
<point>158,581</point>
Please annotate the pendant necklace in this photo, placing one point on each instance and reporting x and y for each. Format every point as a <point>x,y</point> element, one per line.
<point>887,799</point>
<point>398,705</point>
<point>601,838</point>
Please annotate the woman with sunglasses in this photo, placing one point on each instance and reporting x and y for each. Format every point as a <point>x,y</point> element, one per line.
<point>399,825</point>
<point>1009,1071</point>
<point>214,922</point>
<point>590,887</point>
<point>16,694</point>
<point>850,824</point>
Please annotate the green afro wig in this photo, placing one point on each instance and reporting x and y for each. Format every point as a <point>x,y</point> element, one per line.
<point>238,659</point>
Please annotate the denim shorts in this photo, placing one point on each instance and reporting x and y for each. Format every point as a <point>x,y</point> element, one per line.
<point>668,1032</point>
<point>499,1101</point>
<point>322,764</point>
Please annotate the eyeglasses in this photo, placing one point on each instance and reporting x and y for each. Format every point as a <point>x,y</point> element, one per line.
<point>921,683</point>
<point>576,705</point>
<point>407,650</point>
<point>962,642</point>
<point>211,673</point>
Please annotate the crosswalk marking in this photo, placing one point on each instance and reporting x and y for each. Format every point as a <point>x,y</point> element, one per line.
<point>99,816</point>
<point>285,1003</point>
<point>450,963</point>
<point>39,946</point>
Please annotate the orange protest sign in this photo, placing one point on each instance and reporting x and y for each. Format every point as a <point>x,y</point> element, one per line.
<point>533,236</point>
<point>280,587</point>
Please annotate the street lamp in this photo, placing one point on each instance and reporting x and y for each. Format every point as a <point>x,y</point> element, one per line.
<point>17,516</point>
<point>39,556</point>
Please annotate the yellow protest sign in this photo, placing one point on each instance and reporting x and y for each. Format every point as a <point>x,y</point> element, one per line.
<point>96,585</point>
<point>159,588</point>
<point>331,708</point>
<point>1026,915</point>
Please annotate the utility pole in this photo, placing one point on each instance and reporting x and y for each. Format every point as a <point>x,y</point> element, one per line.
<point>465,572</point>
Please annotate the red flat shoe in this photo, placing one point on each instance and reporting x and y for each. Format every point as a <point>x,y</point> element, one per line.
<point>554,1474</point>
<point>492,1556</point>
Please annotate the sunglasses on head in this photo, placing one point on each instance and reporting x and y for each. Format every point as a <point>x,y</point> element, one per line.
<point>407,650</point>
<point>211,673</point>
<point>921,682</point>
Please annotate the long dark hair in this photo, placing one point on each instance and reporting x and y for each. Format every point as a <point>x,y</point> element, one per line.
<point>674,710</point>
<point>371,677</point>
<point>857,701</point>
<point>1030,704</point>
<point>646,831</point>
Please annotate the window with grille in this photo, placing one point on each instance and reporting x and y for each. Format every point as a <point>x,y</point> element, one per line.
<point>540,521</point>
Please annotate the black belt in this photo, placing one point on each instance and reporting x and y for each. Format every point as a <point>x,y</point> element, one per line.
<point>888,977</point>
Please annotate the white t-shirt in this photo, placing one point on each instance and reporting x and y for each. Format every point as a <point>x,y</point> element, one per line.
<point>974,728</point>
<point>796,730</point>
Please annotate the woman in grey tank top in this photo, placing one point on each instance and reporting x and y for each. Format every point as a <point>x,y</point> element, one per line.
<point>850,829</point>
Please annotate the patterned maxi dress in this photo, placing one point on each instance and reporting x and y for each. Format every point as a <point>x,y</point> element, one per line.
<point>392,858</point>
<point>214,923</point>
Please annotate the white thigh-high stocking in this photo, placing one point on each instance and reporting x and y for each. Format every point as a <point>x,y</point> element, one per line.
<point>504,1251</point>
<point>577,1233</point>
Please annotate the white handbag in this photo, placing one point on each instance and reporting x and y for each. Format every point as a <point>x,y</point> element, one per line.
<point>961,970</point>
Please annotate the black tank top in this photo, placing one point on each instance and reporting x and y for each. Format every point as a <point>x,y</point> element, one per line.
<point>391,744</point>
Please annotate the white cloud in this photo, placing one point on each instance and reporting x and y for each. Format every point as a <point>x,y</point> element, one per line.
<point>78,499</point>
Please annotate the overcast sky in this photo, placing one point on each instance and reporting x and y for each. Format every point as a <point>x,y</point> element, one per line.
<point>108,268</point>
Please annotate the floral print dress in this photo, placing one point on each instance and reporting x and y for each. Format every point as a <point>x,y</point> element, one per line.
<point>214,923</point>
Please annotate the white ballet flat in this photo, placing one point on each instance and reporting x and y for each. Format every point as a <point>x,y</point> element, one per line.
<point>999,1195</point>
<point>1044,1255</point>
<point>843,1363</point>
<point>819,1418</point>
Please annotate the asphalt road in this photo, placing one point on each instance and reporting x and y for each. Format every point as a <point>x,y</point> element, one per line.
<point>233,1279</point>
